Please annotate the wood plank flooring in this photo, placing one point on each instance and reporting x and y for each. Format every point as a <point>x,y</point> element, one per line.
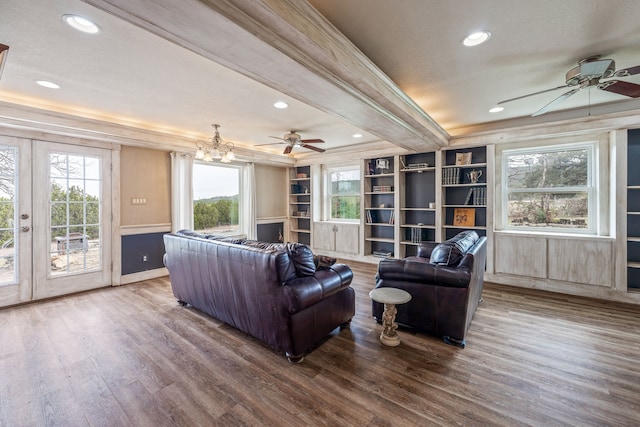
<point>131,356</point>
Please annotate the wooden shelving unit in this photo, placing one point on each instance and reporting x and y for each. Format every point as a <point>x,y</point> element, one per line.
<point>379,207</point>
<point>417,201</point>
<point>300,205</point>
<point>633,210</point>
<point>464,191</point>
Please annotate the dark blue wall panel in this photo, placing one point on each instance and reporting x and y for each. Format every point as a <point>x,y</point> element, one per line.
<point>134,249</point>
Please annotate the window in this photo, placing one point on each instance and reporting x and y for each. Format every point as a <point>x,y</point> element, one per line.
<point>550,188</point>
<point>344,193</point>
<point>216,194</point>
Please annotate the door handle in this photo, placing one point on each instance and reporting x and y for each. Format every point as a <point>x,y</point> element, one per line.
<point>25,228</point>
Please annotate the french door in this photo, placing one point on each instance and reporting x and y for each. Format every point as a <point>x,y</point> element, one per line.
<point>55,219</point>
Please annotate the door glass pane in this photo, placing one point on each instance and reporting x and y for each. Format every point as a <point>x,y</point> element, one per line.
<point>75,214</point>
<point>8,220</point>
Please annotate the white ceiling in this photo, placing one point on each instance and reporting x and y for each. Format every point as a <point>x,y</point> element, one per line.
<point>126,74</point>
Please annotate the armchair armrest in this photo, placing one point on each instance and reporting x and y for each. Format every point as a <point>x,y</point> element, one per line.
<point>303,292</point>
<point>422,272</point>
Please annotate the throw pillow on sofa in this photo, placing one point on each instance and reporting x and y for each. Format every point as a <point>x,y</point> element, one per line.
<point>302,259</point>
<point>323,262</point>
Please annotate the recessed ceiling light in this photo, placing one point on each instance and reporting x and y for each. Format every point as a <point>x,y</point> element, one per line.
<point>357,135</point>
<point>476,38</point>
<point>81,24</point>
<point>281,104</point>
<point>496,109</point>
<point>48,84</point>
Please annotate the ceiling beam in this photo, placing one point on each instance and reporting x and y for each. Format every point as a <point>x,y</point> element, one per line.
<point>288,46</point>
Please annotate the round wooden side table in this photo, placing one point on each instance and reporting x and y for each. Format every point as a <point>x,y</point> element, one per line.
<point>390,297</point>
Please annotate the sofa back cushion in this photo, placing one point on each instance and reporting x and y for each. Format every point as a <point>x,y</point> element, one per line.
<point>450,252</point>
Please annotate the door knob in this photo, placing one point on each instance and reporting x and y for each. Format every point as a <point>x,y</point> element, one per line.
<point>25,228</point>
<point>24,216</point>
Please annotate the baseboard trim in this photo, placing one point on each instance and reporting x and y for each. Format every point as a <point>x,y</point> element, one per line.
<point>144,275</point>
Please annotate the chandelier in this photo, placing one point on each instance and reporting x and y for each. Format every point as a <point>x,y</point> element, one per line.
<point>216,149</point>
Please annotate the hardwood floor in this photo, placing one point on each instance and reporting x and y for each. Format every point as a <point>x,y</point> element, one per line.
<point>131,356</point>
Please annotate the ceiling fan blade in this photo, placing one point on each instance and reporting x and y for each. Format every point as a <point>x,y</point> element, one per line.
<point>277,137</point>
<point>631,71</point>
<point>311,147</point>
<point>631,90</point>
<point>271,143</point>
<point>556,101</point>
<point>531,94</point>
<point>312,141</point>
<point>287,149</point>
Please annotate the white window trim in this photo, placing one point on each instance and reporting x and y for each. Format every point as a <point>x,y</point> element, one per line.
<point>326,184</point>
<point>246,200</point>
<point>597,188</point>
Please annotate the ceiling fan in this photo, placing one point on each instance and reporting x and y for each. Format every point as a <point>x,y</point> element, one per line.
<point>587,74</point>
<point>292,139</point>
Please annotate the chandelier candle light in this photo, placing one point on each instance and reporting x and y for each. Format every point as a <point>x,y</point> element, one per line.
<point>216,149</point>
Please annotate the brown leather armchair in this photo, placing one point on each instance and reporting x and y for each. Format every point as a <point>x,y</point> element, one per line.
<point>445,282</point>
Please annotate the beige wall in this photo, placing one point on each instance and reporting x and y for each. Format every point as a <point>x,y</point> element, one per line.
<point>271,191</point>
<point>145,174</point>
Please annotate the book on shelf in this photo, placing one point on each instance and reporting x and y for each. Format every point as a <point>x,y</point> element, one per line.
<point>382,188</point>
<point>451,176</point>
<point>392,217</point>
<point>369,218</point>
<point>476,196</point>
<point>370,170</point>
<point>469,195</point>
<point>382,254</point>
<point>480,196</point>
<point>416,235</point>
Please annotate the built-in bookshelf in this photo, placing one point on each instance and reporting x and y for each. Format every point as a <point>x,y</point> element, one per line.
<point>379,207</point>
<point>464,191</point>
<point>417,201</point>
<point>633,210</point>
<point>300,199</point>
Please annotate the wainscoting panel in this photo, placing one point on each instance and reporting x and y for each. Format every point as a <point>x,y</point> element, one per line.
<point>520,255</point>
<point>581,261</point>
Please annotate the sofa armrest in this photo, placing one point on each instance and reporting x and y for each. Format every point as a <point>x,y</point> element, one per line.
<point>422,272</point>
<point>303,292</point>
<point>425,249</point>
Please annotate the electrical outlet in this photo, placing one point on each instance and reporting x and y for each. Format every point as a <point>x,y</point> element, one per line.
<point>145,258</point>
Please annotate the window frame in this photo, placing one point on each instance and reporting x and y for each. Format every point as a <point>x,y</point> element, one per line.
<point>328,195</point>
<point>593,187</point>
<point>242,228</point>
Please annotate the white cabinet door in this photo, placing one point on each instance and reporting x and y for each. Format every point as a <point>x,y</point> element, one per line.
<point>336,237</point>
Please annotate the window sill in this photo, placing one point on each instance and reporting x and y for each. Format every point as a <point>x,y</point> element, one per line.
<point>553,235</point>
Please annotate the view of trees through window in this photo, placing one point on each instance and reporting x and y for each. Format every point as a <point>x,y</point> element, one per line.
<point>216,193</point>
<point>345,193</point>
<point>548,188</point>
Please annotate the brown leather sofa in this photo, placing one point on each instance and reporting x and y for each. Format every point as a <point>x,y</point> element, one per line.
<point>445,282</point>
<point>273,292</point>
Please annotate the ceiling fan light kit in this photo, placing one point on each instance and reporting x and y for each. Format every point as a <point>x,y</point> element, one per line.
<point>587,74</point>
<point>293,139</point>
